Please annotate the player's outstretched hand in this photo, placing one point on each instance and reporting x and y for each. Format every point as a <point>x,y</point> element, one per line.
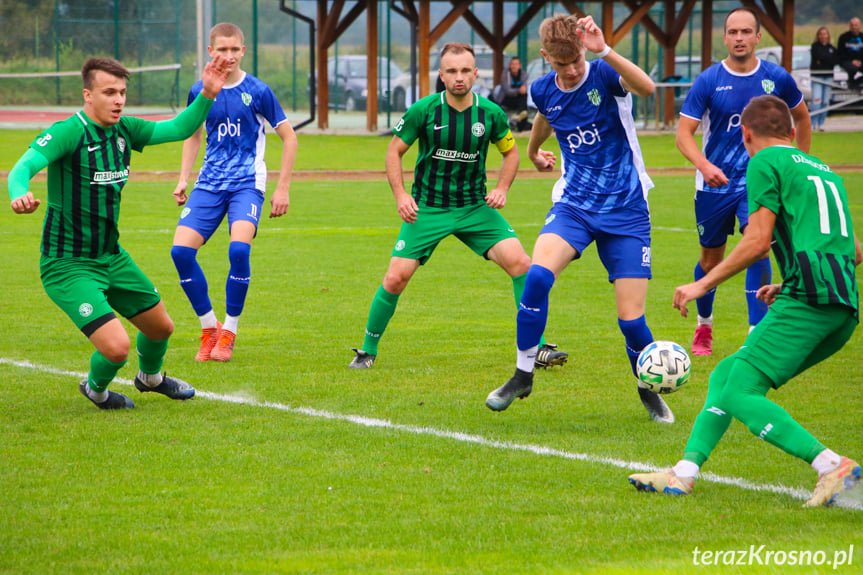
<point>215,73</point>
<point>180,193</point>
<point>496,198</point>
<point>767,293</point>
<point>591,34</point>
<point>544,161</point>
<point>280,202</point>
<point>26,204</point>
<point>684,295</point>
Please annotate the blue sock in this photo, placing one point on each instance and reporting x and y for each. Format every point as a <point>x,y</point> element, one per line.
<point>637,336</point>
<point>705,302</point>
<point>757,275</point>
<point>238,277</point>
<point>533,310</point>
<point>192,278</point>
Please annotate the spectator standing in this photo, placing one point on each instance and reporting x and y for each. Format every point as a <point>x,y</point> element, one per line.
<point>824,58</point>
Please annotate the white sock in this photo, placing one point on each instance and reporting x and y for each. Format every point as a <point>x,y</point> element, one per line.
<point>231,322</point>
<point>825,462</point>
<point>150,379</point>
<point>685,469</point>
<point>526,359</point>
<point>706,320</point>
<point>208,320</point>
<point>97,396</point>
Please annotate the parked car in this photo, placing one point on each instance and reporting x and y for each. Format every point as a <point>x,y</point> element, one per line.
<point>348,81</point>
<point>401,93</point>
<point>800,60</point>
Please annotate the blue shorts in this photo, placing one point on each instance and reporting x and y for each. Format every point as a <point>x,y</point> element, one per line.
<point>714,216</point>
<point>622,236</point>
<point>206,209</point>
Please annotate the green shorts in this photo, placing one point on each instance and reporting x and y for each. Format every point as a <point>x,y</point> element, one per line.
<point>88,290</point>
<point>479,227</point>
<point>794,336</point>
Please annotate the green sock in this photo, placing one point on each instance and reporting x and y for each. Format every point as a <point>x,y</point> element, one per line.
<point>382,310</point>
<point>517,290</point>
<point>712,422</point>
<point>102,371</point>
<point>747,401</point>
<point>151,353</point>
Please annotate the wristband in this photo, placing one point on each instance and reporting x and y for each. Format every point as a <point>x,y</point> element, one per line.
<point>605,52</point>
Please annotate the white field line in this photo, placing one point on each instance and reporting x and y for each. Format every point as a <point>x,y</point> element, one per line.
<point>795,492</point>
<point>326,229</point>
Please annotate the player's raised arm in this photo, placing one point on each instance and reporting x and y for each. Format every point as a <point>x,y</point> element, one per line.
<point>215,73</point>
<point>633,78</point>
<point>186,122</point>
<point>27,166</point>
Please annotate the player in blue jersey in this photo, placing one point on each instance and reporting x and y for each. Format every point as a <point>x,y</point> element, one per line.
<point>231,182</point>
<point>589,107</point>
<point>716,100</point>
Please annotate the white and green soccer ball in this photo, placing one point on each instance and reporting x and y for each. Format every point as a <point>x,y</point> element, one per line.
<point>663,367</point>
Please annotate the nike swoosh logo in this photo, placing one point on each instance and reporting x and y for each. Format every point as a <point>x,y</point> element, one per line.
<point>93,148</point>
<point>440,127</point>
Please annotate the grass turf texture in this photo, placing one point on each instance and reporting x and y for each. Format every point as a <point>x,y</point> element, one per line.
<point>209,486</point>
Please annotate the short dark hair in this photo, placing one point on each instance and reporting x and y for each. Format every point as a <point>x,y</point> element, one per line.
<point>743,9</point>
<point>456,48</point>
<point>767,117</point>
<point>109,65</point>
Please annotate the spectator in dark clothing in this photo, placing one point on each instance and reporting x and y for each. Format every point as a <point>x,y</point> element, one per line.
<point>512,95</point>
<point>824,58</point>
<point>513,87</point>
<point>850,48</point>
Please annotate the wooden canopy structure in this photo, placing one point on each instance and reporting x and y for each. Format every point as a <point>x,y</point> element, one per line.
<point>332,23</point>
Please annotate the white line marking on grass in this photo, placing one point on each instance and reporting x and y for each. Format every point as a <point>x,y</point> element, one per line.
<point>795,492</point>
<point>346,229</point>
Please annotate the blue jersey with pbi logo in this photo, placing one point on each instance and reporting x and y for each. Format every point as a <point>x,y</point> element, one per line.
<point>601,160</point>
<point>234,158</point>
<point>717,99</point>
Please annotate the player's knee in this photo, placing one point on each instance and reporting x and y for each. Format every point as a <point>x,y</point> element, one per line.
<point>395,281</point>
<point>116,350</point>
<point>239,254</point>
<point>184,257</point>
<point>519,265</point>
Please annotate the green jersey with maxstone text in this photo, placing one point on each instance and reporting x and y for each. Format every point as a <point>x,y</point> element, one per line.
<point>453,147</point>
<point>89,165</point>
<point>813,238</point>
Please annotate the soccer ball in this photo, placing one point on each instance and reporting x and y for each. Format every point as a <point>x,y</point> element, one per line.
<point>663,367</point>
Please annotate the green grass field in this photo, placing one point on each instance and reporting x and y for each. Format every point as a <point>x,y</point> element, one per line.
<point>288,462</point>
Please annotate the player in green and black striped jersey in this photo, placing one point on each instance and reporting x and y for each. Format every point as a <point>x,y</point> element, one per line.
<point>800,206</point>
<point>84,269</point>
<point>449,196</point>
